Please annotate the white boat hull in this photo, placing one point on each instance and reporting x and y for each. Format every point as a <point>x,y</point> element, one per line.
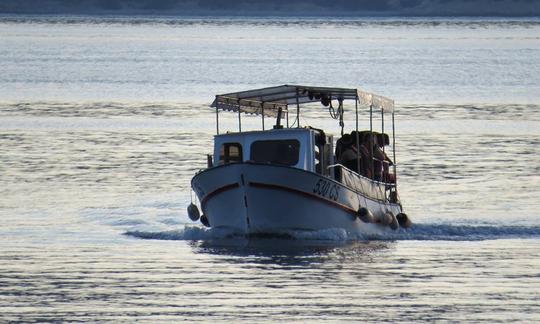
<point>255,198</point>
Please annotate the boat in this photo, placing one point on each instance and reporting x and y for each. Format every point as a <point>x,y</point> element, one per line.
<point>298,178</point>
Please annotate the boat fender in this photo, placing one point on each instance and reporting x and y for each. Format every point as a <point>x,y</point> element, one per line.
<point>403,220</point>
<point>365,215</point>
<point>204,220</point>
<point>393,221</point>
<point>385,219</point>
<point>193,212</point>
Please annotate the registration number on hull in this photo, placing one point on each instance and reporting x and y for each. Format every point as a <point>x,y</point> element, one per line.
<point>326,189</point>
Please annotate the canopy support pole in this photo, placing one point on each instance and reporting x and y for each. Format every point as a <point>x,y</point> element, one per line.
<point>262,114</point>
<point>394,151</point>
<point>239,118</point>
<point>287,115</point>
<point>357,136</point>
<point>384,154</point>
<point>372,165</point>
<point>297,110</point>
<point>217,116</point>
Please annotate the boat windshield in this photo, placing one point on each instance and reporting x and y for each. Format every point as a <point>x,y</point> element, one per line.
<point>283,152</point>
<point>230,152</point>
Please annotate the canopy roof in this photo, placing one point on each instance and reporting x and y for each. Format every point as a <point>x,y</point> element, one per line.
<point>267,101</point>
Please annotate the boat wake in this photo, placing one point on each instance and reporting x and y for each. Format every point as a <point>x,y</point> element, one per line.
<point>425,232</point>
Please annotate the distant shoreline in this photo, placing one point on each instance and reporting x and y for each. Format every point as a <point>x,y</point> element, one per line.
<point>277,8</point>
<point>200,15</point>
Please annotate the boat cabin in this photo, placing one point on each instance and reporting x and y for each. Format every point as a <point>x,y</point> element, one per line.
<point>303,148</point>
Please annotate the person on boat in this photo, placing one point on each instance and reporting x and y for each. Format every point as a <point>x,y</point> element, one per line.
<point>387,163</point>
<point>365,155</point>
<point>380,141</point>
<point>378,160</point>
<point>342,144</point>
<point>349,158</point>
<point>381,161</point>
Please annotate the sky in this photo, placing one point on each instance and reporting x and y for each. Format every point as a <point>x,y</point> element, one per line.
<point>278,7</point>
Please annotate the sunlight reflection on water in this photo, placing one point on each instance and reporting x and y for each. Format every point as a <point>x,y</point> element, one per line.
<point>103,122</point>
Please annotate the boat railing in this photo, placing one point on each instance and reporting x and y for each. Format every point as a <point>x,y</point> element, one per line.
<point>355,174</point>
<point>366,186</point>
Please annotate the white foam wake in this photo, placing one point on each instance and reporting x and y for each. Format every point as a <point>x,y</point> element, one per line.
<point>189,233</point>
<point>434,232</point>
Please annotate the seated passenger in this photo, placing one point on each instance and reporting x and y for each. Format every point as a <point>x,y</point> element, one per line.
<point>349,158</point>
<point>382,162</point>
<point>365,153</point>
<point>378,160</point>
<point>342,144</point>
<point>387,176</point>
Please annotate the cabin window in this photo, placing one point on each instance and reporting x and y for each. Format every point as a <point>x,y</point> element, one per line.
<point>230,153</point>
<point>283,152</point>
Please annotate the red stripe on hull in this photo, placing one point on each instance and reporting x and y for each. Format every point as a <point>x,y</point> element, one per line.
<point>303,193</point>
<point>218,191</point>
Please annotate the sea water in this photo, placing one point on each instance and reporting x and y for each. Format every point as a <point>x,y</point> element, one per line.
<point>104,120</point>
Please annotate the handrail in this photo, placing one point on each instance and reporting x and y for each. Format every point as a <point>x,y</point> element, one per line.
<point>389,184</point>
<point>384,161</point>
<point>362,185</point>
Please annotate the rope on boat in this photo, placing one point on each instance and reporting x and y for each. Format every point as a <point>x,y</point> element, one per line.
<point>337,114</point>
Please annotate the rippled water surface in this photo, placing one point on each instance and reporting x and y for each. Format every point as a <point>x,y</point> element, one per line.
<point>103,122</point>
